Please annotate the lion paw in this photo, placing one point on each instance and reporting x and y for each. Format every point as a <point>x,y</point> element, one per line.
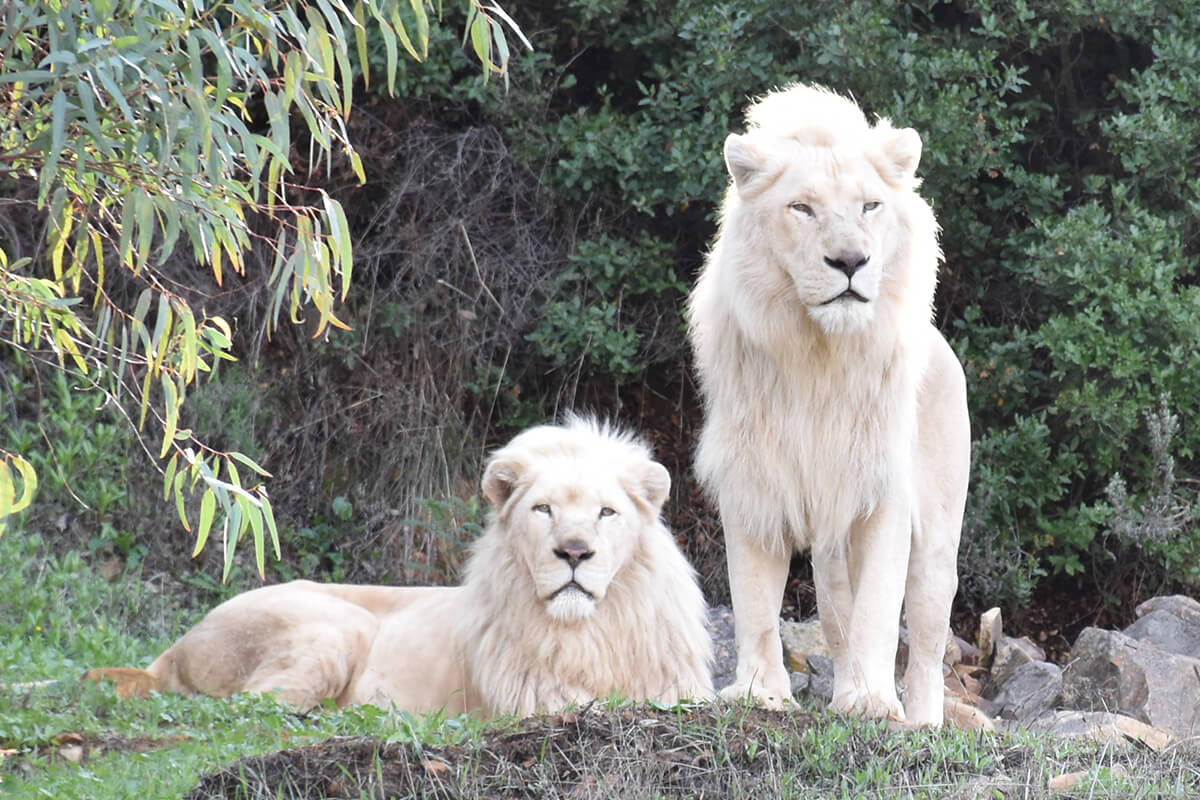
<point>757,694</point>
<point>859,702</point>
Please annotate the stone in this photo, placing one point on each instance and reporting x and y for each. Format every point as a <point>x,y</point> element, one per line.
<point>967,652</point>
<point>1180,605</point>
<point>800,640</point>
<point>1011,653</point>
<point>720,627</point>
<point>1104,727</point>
<point>800,681</point>
<point>1110,671</point>
<point>1167,631</point>
<point>991,628</point>
<point>820,680</point>
<point>1032,690</point>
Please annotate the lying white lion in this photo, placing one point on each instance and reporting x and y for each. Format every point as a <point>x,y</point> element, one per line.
<point>576,591</point>
<point>836,412</point>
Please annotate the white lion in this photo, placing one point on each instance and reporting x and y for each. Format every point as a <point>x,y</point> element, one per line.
<point>576,591</point>
<point>836,412</point>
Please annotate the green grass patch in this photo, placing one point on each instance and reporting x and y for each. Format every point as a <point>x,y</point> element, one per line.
<point>62,737</point>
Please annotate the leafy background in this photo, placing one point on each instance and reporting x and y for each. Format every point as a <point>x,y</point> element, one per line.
<point>520,253</point>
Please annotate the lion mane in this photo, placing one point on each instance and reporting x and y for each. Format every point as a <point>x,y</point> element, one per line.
<point>836,413</point>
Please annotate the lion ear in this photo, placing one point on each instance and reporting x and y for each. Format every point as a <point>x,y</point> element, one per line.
<point>745,162</point>
<point>500,480</point>
<point>650,484</point>
<point>902,153</point>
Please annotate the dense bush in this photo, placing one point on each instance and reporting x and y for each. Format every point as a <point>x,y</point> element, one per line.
<point>1063,161</point>
<point>1062,154</point>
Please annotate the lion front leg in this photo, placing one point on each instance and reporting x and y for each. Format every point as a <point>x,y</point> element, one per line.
<point>859,595</point>
<point>757,577</point>
<point>932,582</point>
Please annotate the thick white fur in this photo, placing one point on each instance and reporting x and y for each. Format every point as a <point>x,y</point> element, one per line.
<point>507,641</point>
<point>834,421</point>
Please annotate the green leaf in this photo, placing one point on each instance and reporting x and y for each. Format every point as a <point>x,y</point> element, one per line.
<point>29,477</point>
<point>481,42</point>
<point>171,410</point>
<point>398,25</point>
<point>269,515</point>
<point>360,43</point>
<point>58,135</point>
<point>169,476</point>
<point>256,527</point>
<point>6,490</point>
<point>245,459</point>
<point>418,7</point>
<point>180,506</point>
<point>162,330</point>
<point>233,531</point>
<point>208,507</point>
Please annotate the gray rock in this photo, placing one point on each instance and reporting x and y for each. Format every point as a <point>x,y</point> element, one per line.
<point>1110,671</point>
<point>820,680</point>
<point>1180,605</point>
<point>1033,689</point>
<point>1168,631</point>
<point>720,627</point>
<point>800,640</point>
<point>800,681</point>
<point>1012,653</point>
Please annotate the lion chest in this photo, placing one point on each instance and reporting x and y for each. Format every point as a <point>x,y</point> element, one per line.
<point>801,451</point>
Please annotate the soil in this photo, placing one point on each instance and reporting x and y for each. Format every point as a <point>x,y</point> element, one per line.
<point>581,754</point>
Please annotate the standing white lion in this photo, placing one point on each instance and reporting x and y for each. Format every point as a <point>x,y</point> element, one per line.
<point>836,412</point>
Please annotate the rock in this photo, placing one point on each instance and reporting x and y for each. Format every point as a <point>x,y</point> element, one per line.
<point>1011,653</point>
<point>1180,605</point>
<point>1103,727</point>
<point>1168,631</point>
<point>1033,689</point>
<point>800,640</point>
<point>820,680</point>
<point>720,627</point>
<point>1110,671</point>
<point>800,681</point>
<point>967,652</point>
<point>991,628</point>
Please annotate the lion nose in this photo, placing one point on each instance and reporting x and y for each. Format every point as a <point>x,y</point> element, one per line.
<point>574,552</point>
<point>848,262</point>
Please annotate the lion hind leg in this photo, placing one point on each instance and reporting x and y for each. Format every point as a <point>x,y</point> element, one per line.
<point>757,578</point>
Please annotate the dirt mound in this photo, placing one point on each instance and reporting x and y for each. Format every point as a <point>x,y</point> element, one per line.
<point>583,754</point>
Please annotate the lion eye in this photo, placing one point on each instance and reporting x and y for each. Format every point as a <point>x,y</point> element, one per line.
<point>871,206</point>
<point>542,508</point>
<point>802,208</point>
<point>607,512</point>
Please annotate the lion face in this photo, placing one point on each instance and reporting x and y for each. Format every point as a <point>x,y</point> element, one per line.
<point>574,523</point>
<point>829,216</point>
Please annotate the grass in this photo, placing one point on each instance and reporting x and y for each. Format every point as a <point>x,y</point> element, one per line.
<point>70,739</point>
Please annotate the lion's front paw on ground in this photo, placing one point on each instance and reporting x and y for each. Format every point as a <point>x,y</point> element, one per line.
<point>859,702</point>
<point>759,695</point>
